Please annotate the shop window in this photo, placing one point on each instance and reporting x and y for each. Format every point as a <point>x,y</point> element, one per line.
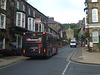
<point>19,42</point>
<point>95,36</point>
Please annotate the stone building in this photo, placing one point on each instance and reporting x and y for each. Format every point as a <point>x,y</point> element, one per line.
<point>16,17</point>
<point>82,32</point>
<point>93,22</point>
<point>55,26</point>
<point>70,33</point>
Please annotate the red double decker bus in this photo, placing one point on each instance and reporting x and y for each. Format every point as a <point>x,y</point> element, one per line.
<point>39,44</point>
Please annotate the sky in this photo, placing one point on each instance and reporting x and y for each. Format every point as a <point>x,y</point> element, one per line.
<point>63,11</point>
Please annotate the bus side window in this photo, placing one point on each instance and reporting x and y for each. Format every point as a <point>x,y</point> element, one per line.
<point>48,40</point>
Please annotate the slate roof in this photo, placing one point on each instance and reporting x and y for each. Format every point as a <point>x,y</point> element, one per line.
<point>53,22</point>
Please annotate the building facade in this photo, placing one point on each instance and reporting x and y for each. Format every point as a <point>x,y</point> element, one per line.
<point>70,33</point>
<point>16,17</point>
<point>92,22</point>
<point>82,33</point>
<point>57,27</point>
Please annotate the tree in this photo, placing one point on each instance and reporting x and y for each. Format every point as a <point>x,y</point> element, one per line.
<point>86,35</point>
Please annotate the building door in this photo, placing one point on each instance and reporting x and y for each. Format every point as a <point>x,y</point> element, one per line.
<point>19,42</point>
<point>1,44</point>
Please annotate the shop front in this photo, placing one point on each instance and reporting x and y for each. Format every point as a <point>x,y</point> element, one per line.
<point>17,35</point>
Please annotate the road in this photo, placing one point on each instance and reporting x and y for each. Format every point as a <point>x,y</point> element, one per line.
<point>56,65</point>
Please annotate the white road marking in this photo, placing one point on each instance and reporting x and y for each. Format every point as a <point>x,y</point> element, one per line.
<point>66,68</point>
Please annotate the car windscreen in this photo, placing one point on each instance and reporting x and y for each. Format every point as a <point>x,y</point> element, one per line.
<point>73,42</point>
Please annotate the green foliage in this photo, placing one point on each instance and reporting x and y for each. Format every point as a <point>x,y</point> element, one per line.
<point>85,35</point>
<point>66,26</point>
<point>72,26</point>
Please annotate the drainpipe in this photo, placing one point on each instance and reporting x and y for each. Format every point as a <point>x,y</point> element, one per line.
<point>88,40</point>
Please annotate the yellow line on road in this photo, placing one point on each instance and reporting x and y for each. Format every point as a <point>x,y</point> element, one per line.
<point>71,54</point>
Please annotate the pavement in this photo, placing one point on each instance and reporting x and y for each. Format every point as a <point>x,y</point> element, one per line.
<point>5,61</point>
<point>80,55</point>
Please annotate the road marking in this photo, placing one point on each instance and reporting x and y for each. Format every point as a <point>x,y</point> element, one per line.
<point>68,59</point>
<point>71,54</point>
<point>66,68</point>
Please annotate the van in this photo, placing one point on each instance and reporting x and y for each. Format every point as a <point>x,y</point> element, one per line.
<point>73,43</point>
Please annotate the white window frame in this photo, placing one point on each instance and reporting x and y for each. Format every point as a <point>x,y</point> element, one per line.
<point>4,24</point>
<point>19,19</point>
<point>17,4</point>
<point>49,30</point>
<point>31,24</point>
<point>3,6</point>
<point>34,25</point>
<point>23,7</point>
<point>39,27</point>
<point>94,15</point>
<point>95,37</point>
<point>33,13</point>
<point>22,21</point>
<point>94,0</point>
<point>29,11</point>
<point>43,28</point>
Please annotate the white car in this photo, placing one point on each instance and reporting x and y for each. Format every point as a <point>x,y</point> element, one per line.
<point>73,44</point>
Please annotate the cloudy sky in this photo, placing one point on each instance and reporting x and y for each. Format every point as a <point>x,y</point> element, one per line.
<point>63,11</point>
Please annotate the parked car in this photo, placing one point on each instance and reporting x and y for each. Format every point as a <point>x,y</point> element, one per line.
<point>73,43</point>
